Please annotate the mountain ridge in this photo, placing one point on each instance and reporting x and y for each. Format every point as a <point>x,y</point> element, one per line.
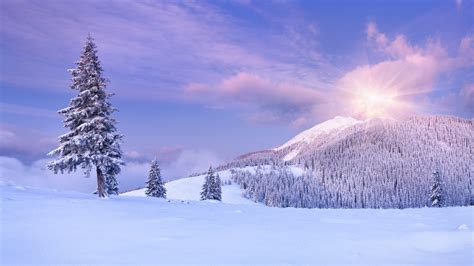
<point>336,124</point>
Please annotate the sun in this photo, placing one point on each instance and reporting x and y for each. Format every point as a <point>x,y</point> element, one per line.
<point>370,103</point>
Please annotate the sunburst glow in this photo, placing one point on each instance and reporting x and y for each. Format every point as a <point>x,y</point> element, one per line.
<point>369,99</point>
<point>378,93</point>
<point>374,103</point>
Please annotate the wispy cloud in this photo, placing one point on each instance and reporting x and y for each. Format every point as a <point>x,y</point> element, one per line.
<point>168,44</point>
<point>24,143</point>
<point>277,101</point>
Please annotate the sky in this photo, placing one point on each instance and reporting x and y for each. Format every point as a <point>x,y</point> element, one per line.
<point>201,82</point>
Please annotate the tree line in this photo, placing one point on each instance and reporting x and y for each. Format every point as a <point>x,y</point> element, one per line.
<point>279,186</point>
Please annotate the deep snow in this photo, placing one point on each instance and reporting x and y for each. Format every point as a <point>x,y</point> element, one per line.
<point>47,226</point>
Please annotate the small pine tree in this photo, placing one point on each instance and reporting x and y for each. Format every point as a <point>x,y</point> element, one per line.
<point>155,186</point>
<point>211,189</point>
<point>206,191</point>
<point>217,191</point>
<point>92,140</point>
<point>436,197</point>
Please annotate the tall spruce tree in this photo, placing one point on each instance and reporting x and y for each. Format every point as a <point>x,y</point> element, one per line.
<point>92,140</point>
<point>436,197</point>
<point>155,186</point>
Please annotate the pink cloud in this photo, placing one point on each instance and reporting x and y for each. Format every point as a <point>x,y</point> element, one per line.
<point>248,88</point>
<point>400,48</point>
<point>260,100</point>
<point>374,34</point>
<point>266,101</point>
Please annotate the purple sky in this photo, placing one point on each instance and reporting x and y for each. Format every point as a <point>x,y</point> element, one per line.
<point>221,78</point>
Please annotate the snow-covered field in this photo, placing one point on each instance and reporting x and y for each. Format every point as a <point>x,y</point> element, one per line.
<point>41,226</point>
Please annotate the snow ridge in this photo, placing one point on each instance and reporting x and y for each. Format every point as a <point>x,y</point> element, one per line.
<point>336,124</point>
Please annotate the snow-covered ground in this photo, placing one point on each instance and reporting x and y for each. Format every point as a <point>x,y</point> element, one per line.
<point>41,226</point>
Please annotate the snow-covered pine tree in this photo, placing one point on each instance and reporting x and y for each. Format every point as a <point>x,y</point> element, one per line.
<point>92,140</point>
<point>208,188</point>
<point>436,191</point>
<point>155,186</point>
<point>217,188</point>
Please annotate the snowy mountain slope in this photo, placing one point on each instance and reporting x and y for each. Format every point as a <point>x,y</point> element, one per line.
<point>393,162</point>
<point>41,226</point>
<point>379,163</point>
<point>311,137</point>
<point>334,125</point>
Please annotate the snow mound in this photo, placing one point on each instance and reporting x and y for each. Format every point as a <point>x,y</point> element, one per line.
<point>190,188</point>
<point>336,124</point>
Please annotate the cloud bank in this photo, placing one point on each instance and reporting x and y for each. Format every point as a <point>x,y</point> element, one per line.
<point>262,99</point>
<point>133,174</point>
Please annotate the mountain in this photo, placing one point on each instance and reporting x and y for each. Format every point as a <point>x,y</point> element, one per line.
<point>378,163</point>
<point>347,163</point>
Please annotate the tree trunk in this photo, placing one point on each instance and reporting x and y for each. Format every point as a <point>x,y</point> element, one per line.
<point>100,183</point>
